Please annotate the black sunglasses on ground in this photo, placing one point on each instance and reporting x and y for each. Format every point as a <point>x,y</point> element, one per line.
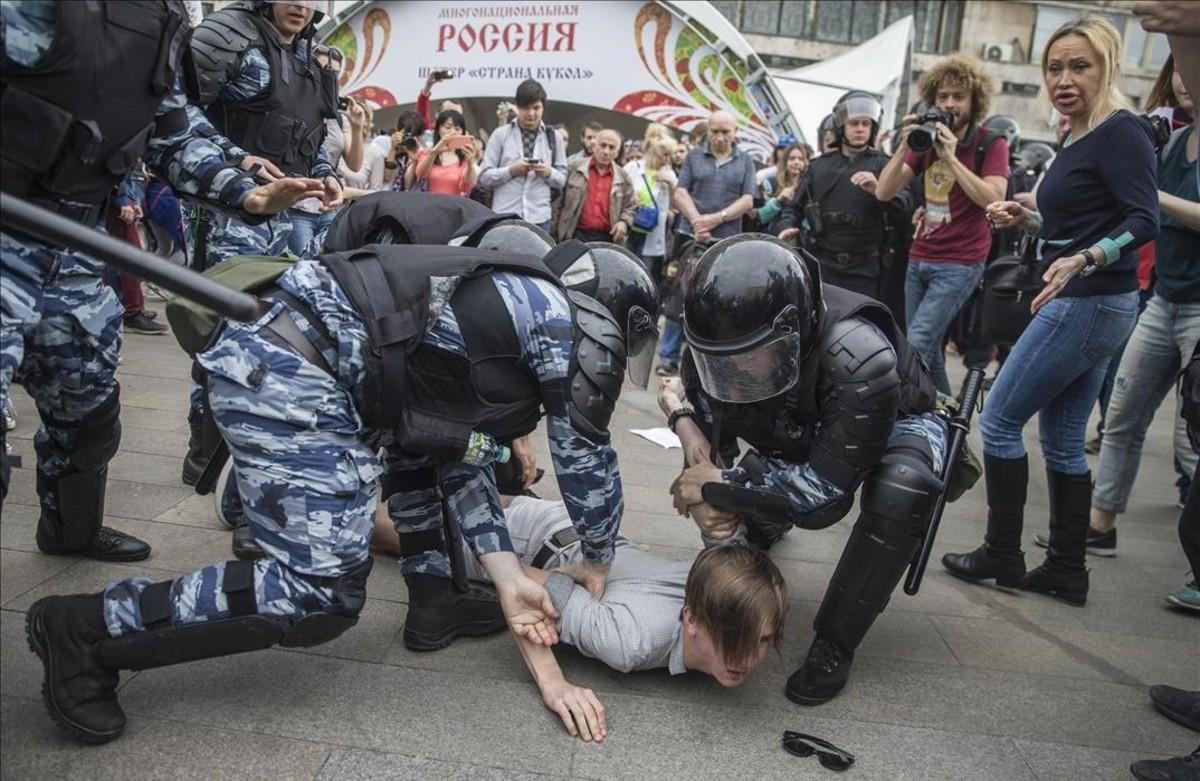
<point>830,756</point>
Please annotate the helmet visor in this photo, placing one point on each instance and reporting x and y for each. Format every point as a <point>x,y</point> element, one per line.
<point>860,106</point>
<point>641,337</point>
<point>756,374</point>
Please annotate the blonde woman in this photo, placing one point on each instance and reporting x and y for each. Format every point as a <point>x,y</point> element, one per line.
<point>1099,203</point>
<point>653,182</point>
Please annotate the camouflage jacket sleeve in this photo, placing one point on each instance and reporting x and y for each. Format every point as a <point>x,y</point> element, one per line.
<point>804,488</point>
<point>587,472</point>
<point>132,189</point>
<point>184,152</point>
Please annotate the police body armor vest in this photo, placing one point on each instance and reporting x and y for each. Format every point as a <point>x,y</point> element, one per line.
<point>402,218</point>
<point>76,122</point>
<point>432,398</point>
<point>286,123</point>
<point>852,219</point>
<point>783,426</point>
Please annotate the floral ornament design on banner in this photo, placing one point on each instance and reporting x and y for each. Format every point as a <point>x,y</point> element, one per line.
<point>695,81</point>
<point>376,25</point>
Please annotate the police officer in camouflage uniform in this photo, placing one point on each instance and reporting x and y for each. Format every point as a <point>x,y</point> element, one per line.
<point>825,389</point>
<point>409,348</point>
<point>249,69</point>
<point>88,88</point>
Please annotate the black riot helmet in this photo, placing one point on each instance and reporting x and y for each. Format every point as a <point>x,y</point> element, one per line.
<point>857,103</point>
<point>751,315</point>
<point>1033,158</point>
<point>509,235</point>
<point>825,127</point>
<point>1007,127</point>
<point>614,277</point>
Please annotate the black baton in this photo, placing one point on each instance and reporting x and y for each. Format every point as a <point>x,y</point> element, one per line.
<point>21,216</point>
<point>960,424</point>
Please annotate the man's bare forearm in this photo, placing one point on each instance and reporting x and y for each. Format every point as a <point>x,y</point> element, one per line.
<point>683,202</point>
<point>892,178</point>
<point>695,444</point>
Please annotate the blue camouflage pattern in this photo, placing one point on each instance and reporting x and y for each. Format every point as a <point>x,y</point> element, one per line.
<point>808,491</point>
<point>60,335</point>
<point>305,466</point>
<point>587,473</point>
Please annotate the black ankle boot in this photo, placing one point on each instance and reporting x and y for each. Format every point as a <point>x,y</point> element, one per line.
<point>438,613</point>
<point>1000,556</point>
<point>1064,574</point>
<point>823,674</point>
<point>79,692</point>
<point>69,525</point>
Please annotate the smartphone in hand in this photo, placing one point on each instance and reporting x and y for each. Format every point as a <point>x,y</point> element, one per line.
<point>459,142</point>
<point>442,75</point>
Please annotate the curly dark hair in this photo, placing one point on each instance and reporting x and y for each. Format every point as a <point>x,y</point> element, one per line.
<point>959,70</point>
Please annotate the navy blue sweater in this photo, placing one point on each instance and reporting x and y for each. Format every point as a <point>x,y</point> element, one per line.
<point>1102,189</point>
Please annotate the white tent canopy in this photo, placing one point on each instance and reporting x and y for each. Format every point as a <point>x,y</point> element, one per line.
<point>881,65</point>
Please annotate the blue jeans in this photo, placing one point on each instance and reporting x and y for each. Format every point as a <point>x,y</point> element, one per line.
<point>1055,371</point>
<point>933,294</point>
<point>306,225</point>
<point>672,342</point>
<point>1161,343</point>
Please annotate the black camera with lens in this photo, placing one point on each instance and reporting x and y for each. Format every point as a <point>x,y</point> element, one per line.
<point>921,139</point>
<point>1160,129</point>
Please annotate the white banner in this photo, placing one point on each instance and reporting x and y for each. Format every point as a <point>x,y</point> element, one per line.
<point>629,56</point>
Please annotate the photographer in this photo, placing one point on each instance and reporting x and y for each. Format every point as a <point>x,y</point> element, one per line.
<point>837,196</point>
<point>1099,202</point>
<point>965,169</point>
<point>525,161</point>
<point>403,146</point>
<point>449,167</point>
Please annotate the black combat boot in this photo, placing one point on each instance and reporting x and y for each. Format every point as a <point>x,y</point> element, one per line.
<point>823,674</point>
<point>1063,575</point>
<point>1000,556</point>
<point>80,693</point>
<point>438,613</point>
<point>72,509</point>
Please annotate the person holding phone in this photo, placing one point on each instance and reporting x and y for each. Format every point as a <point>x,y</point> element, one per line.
<point>448,167</point>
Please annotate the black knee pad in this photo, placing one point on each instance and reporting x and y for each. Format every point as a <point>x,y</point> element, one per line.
<point>899,496</point>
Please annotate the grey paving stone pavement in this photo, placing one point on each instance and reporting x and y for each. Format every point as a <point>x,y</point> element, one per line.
<point>958,682</point>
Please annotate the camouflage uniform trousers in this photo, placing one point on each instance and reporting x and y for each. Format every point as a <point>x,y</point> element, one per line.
<point>473,502</point>
<point>306,475</point>
<point>60,335</point>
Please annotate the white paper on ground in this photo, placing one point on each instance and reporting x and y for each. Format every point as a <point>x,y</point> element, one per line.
<point>663,437</point>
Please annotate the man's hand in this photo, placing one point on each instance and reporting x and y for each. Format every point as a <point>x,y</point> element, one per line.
<point>1172,17</point>
<point>267,171</point>
<point>519,167</point>
<point>788,233</point>
<point>619,232</point>
<point>686,490</point>
<point>580,711</point>
<point>542,169</point>
<point>281,194</point>
<point>671,394</point>
<point>907,125</point>
<point>331,195</point>
<point>522,448</point>
<point>528,609</point>
<point>587,574</point>
<point>705,223</point>
<point>865,180</point>
<point>714,522</point>
<point>130,214</point>
<point>946,143</point>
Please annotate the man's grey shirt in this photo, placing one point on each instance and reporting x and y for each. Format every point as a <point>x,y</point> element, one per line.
<point>714,187</point>
<point>636,624</point>
<point>528,196</point>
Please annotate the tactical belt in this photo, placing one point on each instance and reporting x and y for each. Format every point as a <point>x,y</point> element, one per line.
<point>283,332</point>
<point>555,545</point>
<point>84,213</point>
<point>847,258</point>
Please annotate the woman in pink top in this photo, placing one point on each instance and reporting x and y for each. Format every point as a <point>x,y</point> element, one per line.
<point>449,167</point>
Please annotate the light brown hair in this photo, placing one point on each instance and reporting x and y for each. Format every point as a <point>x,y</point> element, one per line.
<point>1162,94</point>
<point>959,70</point>
<point>733,591</point>
<point>1106,43</point>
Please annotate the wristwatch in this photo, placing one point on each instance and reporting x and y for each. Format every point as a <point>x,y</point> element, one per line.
<point>685,411</point>
<point>1091,264</point>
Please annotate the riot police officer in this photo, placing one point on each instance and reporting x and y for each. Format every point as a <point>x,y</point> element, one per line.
<point>835,211</point>
<point>821,384</point>
<point>249,68</point>
<point>89,88</point>
<point>417,348</point>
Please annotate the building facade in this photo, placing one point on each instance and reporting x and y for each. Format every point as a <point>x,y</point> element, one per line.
<point>1009,35</point>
